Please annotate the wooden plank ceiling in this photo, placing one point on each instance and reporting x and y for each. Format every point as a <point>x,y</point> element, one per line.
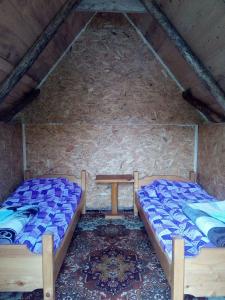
<point>23,22</point>
<point>21,25</point>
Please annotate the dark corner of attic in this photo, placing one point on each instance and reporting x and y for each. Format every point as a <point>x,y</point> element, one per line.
<point>112,141</point>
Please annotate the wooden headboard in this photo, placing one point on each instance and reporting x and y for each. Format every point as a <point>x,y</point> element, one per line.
<point>83,181</point>
<point>148,179</point>
<point>69,177</point>
<point>27,175</point>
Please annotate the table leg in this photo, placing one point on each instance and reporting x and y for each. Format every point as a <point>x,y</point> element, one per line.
<point>114,198</point>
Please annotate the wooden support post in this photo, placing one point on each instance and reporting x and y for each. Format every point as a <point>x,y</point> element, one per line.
<point>136,186</point>
<point>114,198</point>
<point>178,269</point>
<point>84,189</point>
<point>193,176</point>
<point>48,267</point>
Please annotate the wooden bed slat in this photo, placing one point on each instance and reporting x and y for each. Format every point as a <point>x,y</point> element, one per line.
<point>164,260</point>
<point>61,253</point>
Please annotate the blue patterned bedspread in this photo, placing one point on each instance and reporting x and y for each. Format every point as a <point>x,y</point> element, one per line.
<point>57,200</point>
<point>162,201</point>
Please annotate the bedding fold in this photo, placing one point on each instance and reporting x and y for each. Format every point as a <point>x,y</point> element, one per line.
<point>162,202</point>
<point>13,220</point>
<point>207,217</point>
<point>57,200</point>
<point>214,209</point>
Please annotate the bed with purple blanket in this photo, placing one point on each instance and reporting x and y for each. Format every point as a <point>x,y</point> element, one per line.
<point>192,264</point>
<point>56,199</point>
<point>54,204</point>
<point>162,202</point>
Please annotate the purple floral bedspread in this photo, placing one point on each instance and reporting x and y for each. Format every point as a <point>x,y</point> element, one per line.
<point>57,200</point>
<point>162,201</point>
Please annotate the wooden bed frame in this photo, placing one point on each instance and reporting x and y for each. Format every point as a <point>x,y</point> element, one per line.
<point>202,275</point>
<point>24,271</point>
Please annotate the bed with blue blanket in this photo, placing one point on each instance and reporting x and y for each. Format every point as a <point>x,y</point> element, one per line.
<point>37,222</point>
<point>186,227</point>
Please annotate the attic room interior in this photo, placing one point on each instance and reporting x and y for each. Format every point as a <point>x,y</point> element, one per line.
<point>112,140</point>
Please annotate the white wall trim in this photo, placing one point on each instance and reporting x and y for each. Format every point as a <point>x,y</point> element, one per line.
<point>112,124</point>
<point>166,68</point>
<point>24,147</point>
<point>196,149</point>
<point>65,52</point>
<point>147,43</point>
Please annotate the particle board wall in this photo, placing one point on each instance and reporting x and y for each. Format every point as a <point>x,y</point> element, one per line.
<point>109,107</point>
<point>11,158</point>
<point>211,159</point>
<point>109,149</point>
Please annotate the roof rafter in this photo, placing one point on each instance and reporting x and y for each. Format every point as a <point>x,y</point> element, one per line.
<point>120,6</point>
<point>202,72</point>
<point>33,53</point>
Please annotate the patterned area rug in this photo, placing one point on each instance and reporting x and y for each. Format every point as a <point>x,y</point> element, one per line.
<point>108,259</point>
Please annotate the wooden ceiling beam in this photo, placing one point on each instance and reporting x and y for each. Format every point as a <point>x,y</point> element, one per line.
<point>120,6</point>
<point>8,114</point>
<point>33,53</point>
<point>7,67</point>
<point>202,72</point>
<point>207,111</point>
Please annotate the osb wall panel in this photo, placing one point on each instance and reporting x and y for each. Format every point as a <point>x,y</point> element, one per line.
<point>211,159</point>
<point>105,109</point>
<point>110,76</point>
<point>11,171</point>
<point>109,149</point>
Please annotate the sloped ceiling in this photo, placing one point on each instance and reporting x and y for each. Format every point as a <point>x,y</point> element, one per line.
<point>23,22</point>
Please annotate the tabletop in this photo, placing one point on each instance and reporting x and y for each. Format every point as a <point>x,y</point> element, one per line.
<point>124,178</point>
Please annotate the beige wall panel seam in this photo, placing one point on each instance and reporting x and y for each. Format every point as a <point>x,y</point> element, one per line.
<point>147,43</point>
<point>65,52</point>
<point>195,163</point>
<point>24,147</point>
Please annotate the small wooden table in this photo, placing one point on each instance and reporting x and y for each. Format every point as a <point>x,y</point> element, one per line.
<point>114,180</point>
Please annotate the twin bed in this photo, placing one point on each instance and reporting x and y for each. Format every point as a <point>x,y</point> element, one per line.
<point>34,260</point>
<point>192,264</point>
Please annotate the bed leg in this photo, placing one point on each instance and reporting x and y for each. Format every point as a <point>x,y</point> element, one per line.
<point>177,286</point>
<point>48,267</point>
<point>84,188</point>
<point>136,179</point>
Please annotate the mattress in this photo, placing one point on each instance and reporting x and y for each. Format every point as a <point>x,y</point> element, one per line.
<point>162,202</point>
<point>57,200</point>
